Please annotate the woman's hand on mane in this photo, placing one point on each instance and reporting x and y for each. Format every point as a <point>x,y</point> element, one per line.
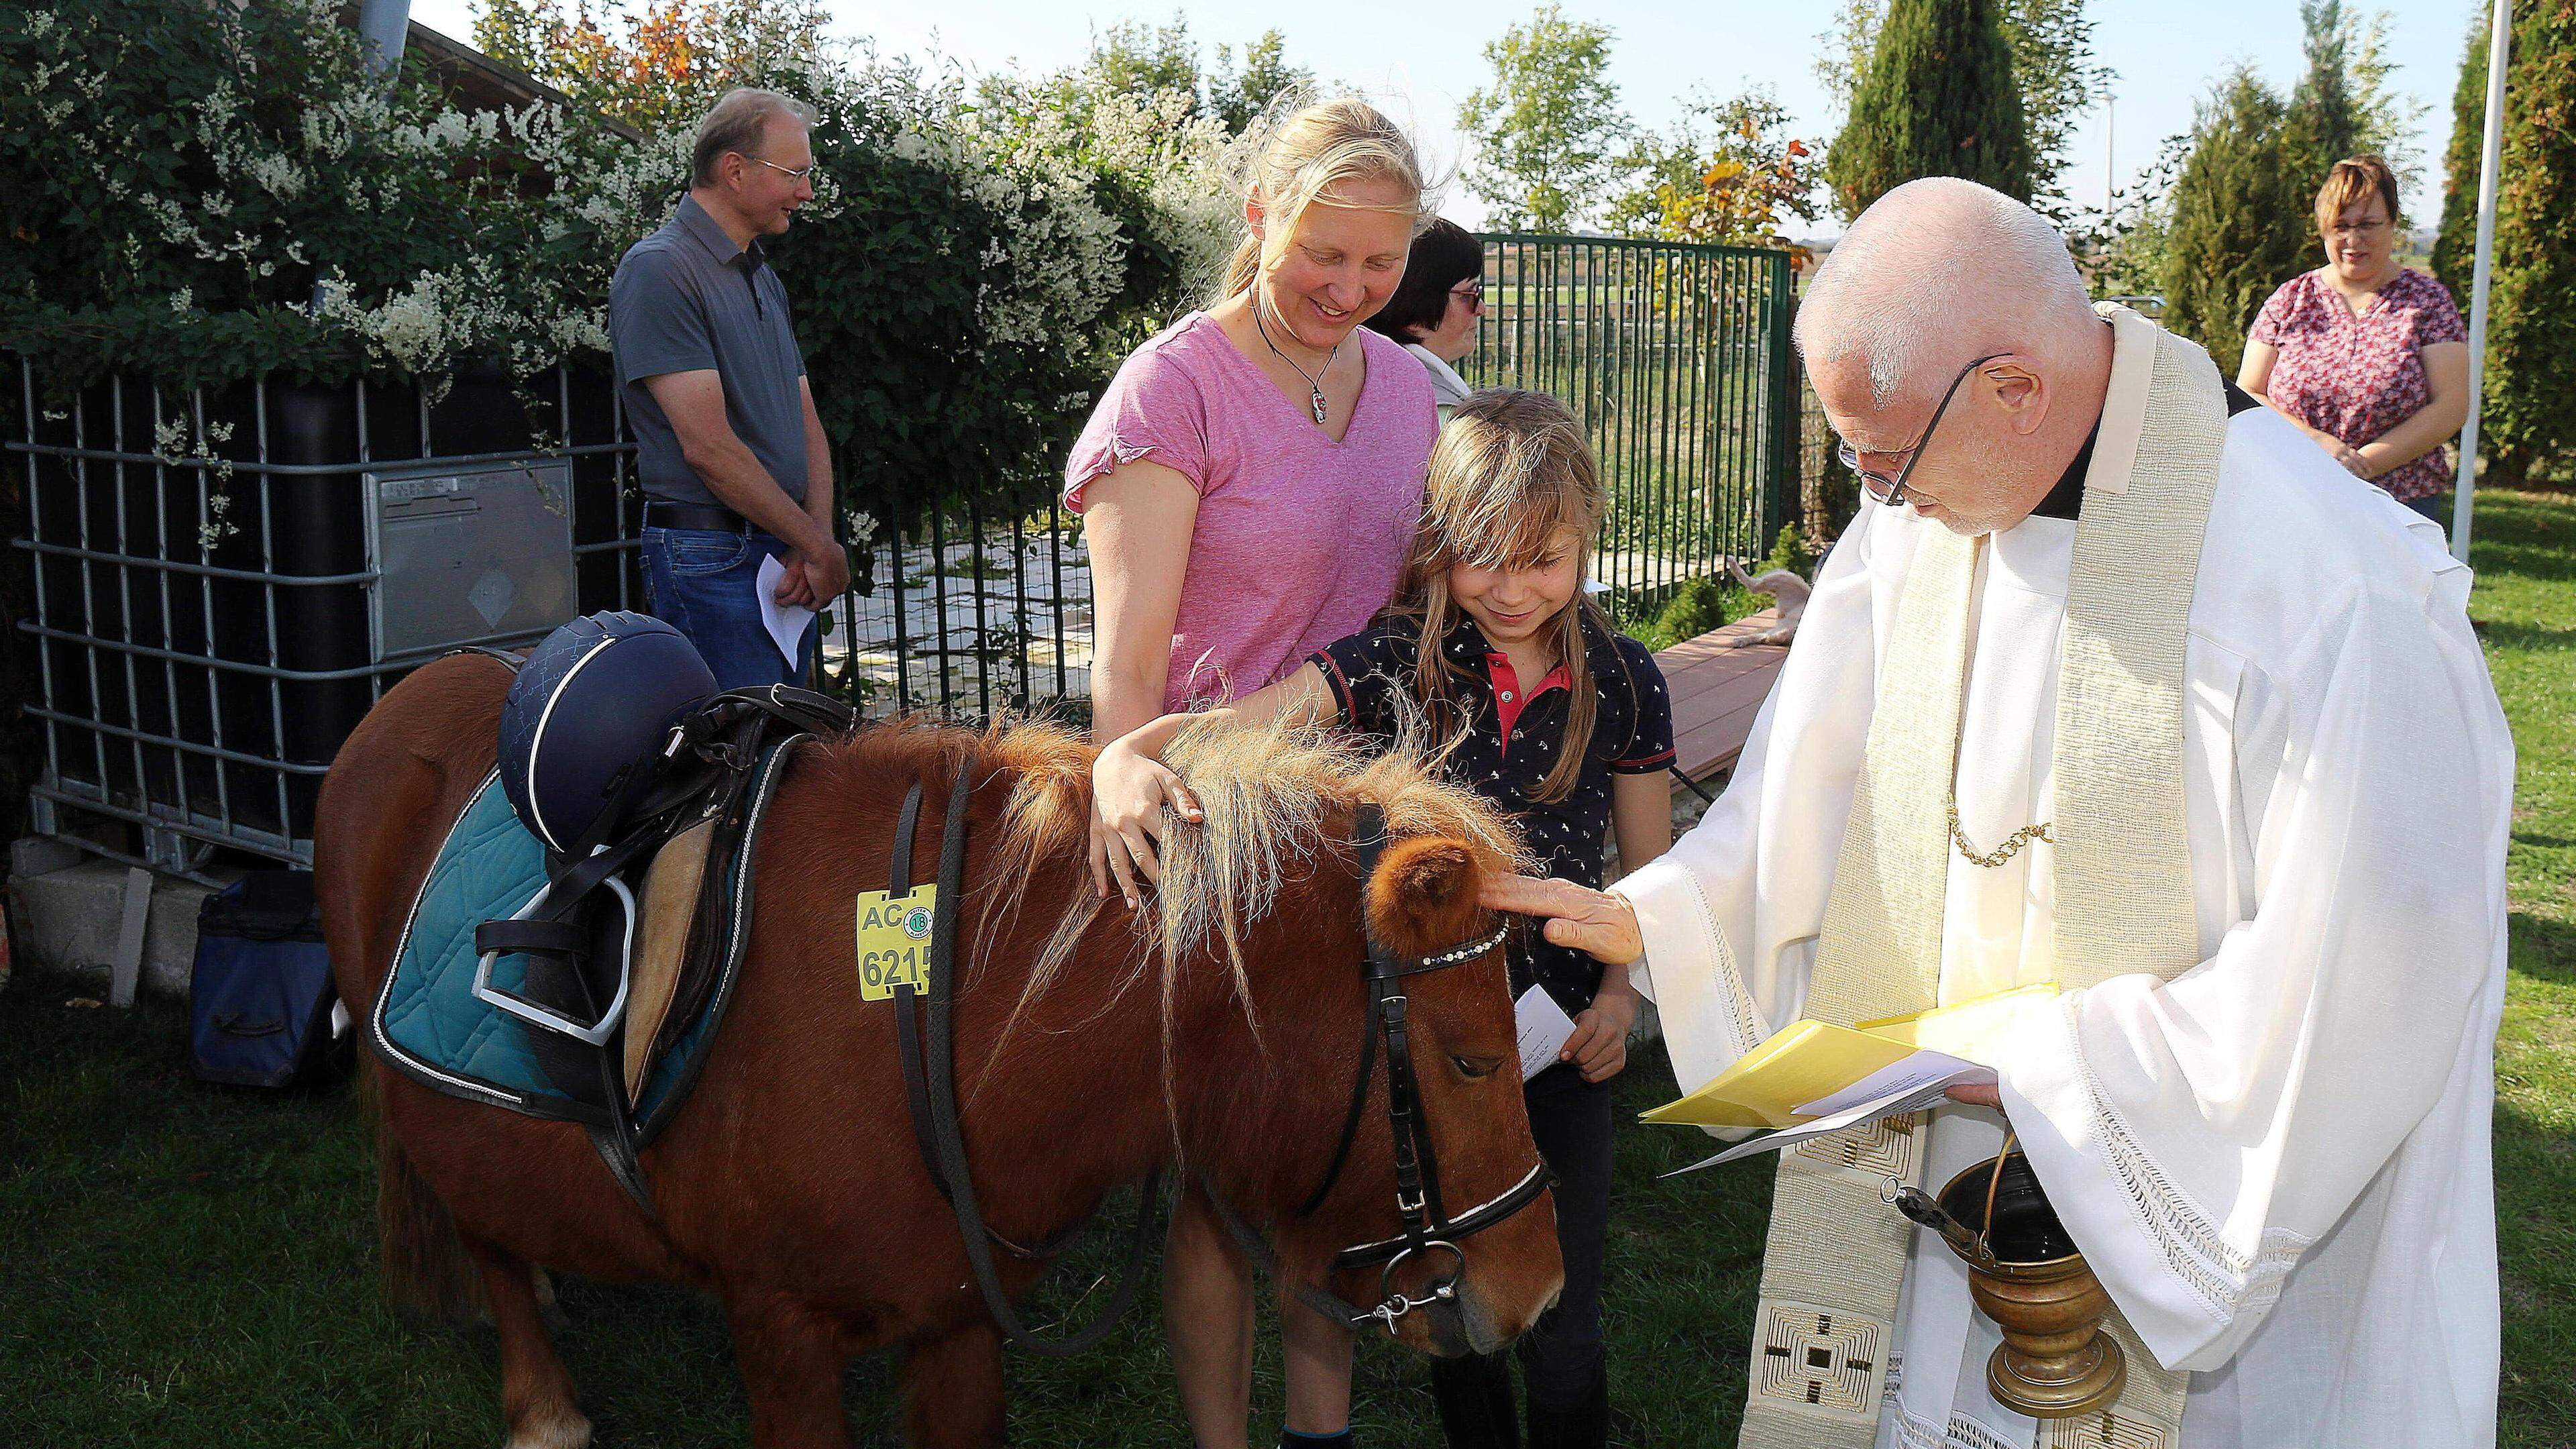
<point>1130,789</point>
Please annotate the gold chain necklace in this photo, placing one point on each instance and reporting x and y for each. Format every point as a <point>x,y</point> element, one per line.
<point>2021,838</point>
<point>2001,853</point>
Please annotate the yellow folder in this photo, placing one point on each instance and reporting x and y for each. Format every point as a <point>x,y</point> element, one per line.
<point>1810,1060</point>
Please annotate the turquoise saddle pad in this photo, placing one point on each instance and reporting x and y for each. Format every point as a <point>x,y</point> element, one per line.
<point>429,1022</point>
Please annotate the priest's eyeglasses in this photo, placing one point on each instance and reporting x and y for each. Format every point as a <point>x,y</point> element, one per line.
<point>1891,491</point>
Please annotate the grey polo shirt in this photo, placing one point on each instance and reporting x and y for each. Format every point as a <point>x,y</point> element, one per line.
<point>686,299</point>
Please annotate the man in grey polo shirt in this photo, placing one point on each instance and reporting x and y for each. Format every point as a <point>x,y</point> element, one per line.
<point>731,452</point>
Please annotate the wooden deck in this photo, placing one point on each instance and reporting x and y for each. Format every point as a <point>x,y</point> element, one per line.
<point>1718,683</point>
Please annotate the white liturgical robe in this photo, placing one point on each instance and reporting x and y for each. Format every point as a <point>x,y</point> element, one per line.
<point>2277,1161</point>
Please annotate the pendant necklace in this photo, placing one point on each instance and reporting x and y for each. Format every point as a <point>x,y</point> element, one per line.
<point>1314,381</point>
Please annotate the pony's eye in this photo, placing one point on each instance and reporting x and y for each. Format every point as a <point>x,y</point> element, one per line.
<point>1475,1068</point>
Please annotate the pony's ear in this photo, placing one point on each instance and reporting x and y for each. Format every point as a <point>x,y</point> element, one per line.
<point>1423,898</point>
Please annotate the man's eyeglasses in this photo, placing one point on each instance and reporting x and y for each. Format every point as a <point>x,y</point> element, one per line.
<point>1891,491</point>
<point>806,172</point>
<point>1472,293</point>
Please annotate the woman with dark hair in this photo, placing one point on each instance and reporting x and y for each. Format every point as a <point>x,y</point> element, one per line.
<point>2365,354</point>
<point>1436,307</point>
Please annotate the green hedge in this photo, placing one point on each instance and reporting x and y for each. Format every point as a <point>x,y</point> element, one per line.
<point>206,193</point>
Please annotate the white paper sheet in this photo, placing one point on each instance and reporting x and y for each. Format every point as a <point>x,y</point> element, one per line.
<point>785,622</point>
<point>1921,1069</point>
<point>1917,1092</point>
<point>1544,1028</point>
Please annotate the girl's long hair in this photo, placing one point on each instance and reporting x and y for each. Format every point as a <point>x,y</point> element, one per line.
<point>1300,153</point>
<point>1509,475</point>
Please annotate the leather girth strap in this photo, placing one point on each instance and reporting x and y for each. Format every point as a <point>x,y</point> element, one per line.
<point>930,1090</point>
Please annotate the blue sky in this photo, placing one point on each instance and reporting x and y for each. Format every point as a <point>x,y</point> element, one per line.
<point>1423,56</point>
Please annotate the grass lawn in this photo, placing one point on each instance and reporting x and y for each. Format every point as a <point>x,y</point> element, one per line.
<point>181,1265</point>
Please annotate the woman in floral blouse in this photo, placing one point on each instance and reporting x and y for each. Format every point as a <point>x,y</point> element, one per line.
<point>2367,356</point>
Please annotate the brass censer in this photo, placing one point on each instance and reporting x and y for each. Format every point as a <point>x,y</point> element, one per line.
<point>2025,1273</point>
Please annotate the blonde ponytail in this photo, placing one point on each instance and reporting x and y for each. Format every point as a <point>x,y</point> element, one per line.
<point>1302,153</point>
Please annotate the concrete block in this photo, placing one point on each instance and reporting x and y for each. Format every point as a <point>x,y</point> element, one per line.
<point>71,919</point>
<point>40,855</point>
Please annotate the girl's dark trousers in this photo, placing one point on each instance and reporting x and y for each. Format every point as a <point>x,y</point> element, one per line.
<point>1561,1362</point>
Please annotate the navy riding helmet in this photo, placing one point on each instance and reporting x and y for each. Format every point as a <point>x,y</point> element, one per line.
<point>594,702</point>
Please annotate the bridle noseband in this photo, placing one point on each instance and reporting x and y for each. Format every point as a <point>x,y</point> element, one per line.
<point>1428,1228</point>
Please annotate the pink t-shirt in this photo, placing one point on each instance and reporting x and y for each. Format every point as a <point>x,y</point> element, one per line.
<point>1299,539</point>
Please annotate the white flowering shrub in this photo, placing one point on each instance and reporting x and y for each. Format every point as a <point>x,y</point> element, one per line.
<point>209,193</point>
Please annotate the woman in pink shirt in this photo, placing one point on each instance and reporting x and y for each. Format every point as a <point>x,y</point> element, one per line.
<point>1250,484</point>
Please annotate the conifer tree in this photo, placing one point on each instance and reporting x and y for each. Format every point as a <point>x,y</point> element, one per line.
<point>2526,426</point>
<point>1939,100</point>
<point>2451,249</point>
<point>2227,247</point>
<point>2325,122</point>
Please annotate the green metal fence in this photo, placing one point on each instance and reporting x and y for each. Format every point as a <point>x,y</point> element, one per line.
<point>1676,359</point>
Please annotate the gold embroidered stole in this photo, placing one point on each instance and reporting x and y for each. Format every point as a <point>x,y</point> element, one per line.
<point>1836,1257</point>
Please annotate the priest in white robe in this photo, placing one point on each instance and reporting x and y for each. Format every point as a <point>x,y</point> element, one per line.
<point>2135,691</point>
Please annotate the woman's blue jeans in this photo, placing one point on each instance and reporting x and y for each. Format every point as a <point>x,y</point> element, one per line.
<point>703,582</point>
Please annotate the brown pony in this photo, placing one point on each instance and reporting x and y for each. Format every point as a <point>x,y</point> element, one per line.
<point>1219,1029</point>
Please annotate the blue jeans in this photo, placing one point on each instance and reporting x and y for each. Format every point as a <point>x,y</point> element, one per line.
<point>704,582</point>
<point>2435,506</point>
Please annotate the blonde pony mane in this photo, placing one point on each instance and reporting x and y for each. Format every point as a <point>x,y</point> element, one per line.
<point>1270,797</point>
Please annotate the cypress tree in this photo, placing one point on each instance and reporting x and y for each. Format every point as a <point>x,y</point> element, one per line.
<point>1939,100</point>
<point>2325,123</point>
<point>2452,249</point>
<point>2527,427</point>
<point>2228,247</point>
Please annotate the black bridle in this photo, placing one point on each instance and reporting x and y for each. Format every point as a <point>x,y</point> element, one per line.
<point>930,1089</point>
<point>1419,1205</point>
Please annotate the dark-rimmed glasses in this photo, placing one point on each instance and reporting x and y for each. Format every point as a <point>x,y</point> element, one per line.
<point>1471,292</point>
<point>1891,491</point>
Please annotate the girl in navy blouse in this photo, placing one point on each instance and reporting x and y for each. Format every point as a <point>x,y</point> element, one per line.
<point>1532,699</point>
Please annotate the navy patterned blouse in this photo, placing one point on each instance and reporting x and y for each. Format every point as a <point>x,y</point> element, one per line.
<point>1511,738</point>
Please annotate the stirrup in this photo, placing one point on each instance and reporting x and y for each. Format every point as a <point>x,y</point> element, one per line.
<point>538,1014</point>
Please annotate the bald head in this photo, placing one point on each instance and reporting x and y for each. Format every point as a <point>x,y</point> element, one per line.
<point>1938,275</point>
<point>1936,272</point>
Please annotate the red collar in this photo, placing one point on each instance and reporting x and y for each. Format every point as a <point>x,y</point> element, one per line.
<point>1509,698</point>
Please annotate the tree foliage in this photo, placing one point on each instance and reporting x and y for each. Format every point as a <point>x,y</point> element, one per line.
<point>2525,426</point>
<point>1727,171</point>
<point>2226,249</point>
<point>1939,100</point>
<point>2346,102</point>
<point>2053,70</point>
<point>964,280</point>
<point>2324,124</point>
<point>1132,58</point>
<point>2462,163</point>
<point>1548,130</point>
<point>656,67</point>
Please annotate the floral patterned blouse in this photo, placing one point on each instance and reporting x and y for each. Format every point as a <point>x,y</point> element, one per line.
<point>2358,377</point>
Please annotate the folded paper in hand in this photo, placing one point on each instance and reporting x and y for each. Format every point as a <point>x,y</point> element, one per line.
<point>1544,1030</point>
<point>785,622</point>
<point>1811,1078</point>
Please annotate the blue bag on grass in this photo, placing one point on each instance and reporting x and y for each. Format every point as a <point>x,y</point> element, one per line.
<point>260,993</point>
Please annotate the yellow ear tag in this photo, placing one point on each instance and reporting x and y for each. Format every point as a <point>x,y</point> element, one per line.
<point>894,941</point>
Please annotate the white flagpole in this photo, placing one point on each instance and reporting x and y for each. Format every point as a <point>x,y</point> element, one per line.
<point>2499,49</point>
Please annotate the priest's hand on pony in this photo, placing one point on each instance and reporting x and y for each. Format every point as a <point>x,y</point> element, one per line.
<point>1596,923</point>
